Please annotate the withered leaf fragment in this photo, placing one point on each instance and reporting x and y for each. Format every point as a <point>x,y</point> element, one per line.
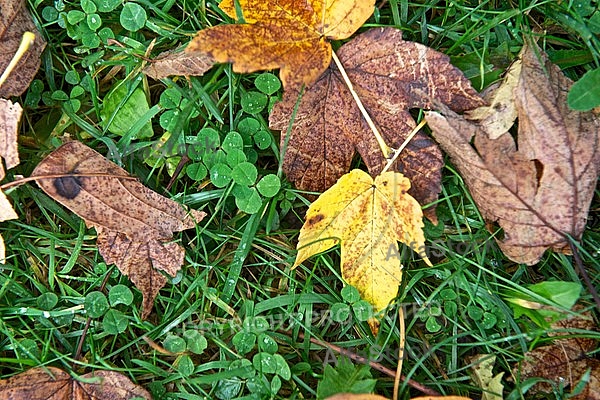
<point>538,189</point>
<point>565,361</point>
<point>292,35</point>
<point>10,114</point>
<point>175,62</point>
<point>134,224</point>
<point>14,21</point>
<point>50,383</point>
<point>390,76</point>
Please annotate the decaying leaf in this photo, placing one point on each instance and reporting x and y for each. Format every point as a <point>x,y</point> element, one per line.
<point>565,361</point>
<point>14,21</point>
<point>10,114</point>
<point>490,384</point>
<point>390,76</point>
<point>499,116</point>
<point>175,62</point>
<point>134,224</point>
<point>540,188</point>
<point>288,34</point>
<point>367,218</point>
<point>52,383</point>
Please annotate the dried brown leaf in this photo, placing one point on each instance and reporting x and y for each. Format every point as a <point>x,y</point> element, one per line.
<point>134,224</point>
<point>14,21</point>
<point>51,383</point>
<point>499,116</point>
<point>565,361</point>
<point>175,62</point>
<point>10,114</point>
<point>390,76</point>
<point>540,188</point>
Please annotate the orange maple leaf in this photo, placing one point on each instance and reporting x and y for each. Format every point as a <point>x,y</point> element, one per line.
<point>288,34</point>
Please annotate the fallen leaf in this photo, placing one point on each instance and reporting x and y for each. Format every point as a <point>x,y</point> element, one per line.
<point>134,224</point>
<point>14,21</point>
<point>540,188</point>
<point>176,62</point>
<point>10,114</point>
<point>52,383</point>
<point>367,218</point>
<point>288,34</point>
<point>490,384</point>
<point>565,361</point>
<point>390,76</point>
<point>499,116</point>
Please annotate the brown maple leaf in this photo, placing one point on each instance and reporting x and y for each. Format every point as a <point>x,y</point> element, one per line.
<point>134,224</point>
<point>53,383</point>
<point>288,34</point>
<point>565,361</point>
<point>14,21</point>
<point>175,62</point>
<point>538,189</point>
<point>390,76</point>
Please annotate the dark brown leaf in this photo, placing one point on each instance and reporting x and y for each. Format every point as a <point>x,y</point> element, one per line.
<point>540,188</point>
<point>565,361</point>
<point>134,224</point>
<point>14,21</point>
<point>176,62</point>
<point>51,383</point>
<point>390,76</point>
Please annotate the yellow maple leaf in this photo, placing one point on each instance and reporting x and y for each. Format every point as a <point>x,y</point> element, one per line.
<point>368,218</point>
<point>288,34</point>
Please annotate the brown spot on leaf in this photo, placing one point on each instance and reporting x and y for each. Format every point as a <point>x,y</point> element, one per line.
<point>67,186</point>
<point>315,219</point>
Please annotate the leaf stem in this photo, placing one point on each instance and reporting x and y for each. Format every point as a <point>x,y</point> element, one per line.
<point>400,351</point>
<point>26,42</point>
<point>404,144</point>
<point>385,149</point>
<point>22,181</point>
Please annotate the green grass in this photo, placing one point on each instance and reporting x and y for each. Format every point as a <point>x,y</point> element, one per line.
<point>238,266</point>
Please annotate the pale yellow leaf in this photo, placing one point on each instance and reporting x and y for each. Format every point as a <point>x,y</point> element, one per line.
<point>490,384</point>
<point>499,116</point>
